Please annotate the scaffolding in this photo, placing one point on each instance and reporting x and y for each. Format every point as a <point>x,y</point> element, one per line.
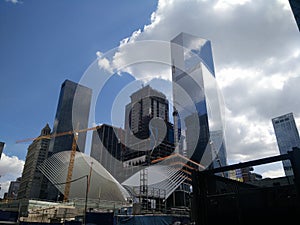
<point>151,200</point>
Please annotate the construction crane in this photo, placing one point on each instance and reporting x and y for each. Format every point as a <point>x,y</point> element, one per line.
<point>75,134</point>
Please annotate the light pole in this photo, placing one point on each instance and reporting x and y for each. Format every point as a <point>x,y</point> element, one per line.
<point>86,199</point>
<point>88,180</point>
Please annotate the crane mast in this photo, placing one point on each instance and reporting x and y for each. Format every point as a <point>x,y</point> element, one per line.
<point>70,168</point>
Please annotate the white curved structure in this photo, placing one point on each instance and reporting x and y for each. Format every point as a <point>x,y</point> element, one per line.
<point>103,185</point>
<point>164,176</point>
<point>160,178</point>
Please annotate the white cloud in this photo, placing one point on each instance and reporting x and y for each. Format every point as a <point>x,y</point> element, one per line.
<point>256,53</point>
<point>14,1</point>
<point>228,4</point>
<point>273,173</point>
<point>285,4</point>
<point>10,169</point>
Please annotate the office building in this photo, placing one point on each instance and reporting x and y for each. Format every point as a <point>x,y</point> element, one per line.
<point>287,137</point>
<point>72,113</point>
<point>33,184</point>
<point>13,189</point>
<point>107,148</point>
<point>295,6</point>
<point>196,101</point>
<point>1,148</point>
<point>149,134</point>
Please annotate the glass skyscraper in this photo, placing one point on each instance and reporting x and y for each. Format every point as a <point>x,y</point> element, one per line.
<point>295,6</point>
<point>72,110</point>
<point>107,148</point>
<point>1,148</point>
<point>287,137</point>
<point>198,113</point>
<point>72,113</point>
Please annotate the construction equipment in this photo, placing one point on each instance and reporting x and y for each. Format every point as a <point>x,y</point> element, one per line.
<point>75,134</point>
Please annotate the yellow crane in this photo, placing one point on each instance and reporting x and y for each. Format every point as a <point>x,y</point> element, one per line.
<point>72,155</point>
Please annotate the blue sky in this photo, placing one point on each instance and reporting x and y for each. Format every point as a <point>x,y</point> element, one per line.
<point>255,45</point>
<point>45,42</point>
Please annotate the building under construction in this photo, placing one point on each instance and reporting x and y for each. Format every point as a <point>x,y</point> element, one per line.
<point>149,134</point>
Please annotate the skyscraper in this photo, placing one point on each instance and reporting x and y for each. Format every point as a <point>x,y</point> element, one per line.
<point>107,148</point>
<point>14,189</point>
<point>146,125</point>
<point>287,137</point>
<point>196,100</point>
<point>72,110</point>
<point>295,6</point>
<point>1,148</point>
<point>32,185</point>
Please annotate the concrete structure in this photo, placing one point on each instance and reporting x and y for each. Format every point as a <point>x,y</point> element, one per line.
<point>147,127</point>
<point>33,184</point>
<point>196,101</point>
<point>72,110</point>
<point>49,212</point>
<point>287,137</point>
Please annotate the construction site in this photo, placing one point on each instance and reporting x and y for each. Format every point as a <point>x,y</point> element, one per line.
<point>213,199</point>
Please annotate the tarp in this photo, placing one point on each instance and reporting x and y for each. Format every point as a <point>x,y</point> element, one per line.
<point>8,216</point>
<point>151,220</point>
<point>93,218</point>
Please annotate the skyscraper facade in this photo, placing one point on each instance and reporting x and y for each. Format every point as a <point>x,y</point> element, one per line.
<point>14,189</point>
<point>287,137</point>
<point>147,127</point>
<point>196,101</point>
<point>72,110</point>
<point>295,6</point>
<point>1,148</point>
<point>107,148</point>
<point>32,184</point>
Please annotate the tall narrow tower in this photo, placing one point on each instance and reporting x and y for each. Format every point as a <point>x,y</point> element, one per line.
<point>72,110</point>
<point>196,100</point>
<point>1,148</point>
<point>32,186</point>
<point>287,137</point>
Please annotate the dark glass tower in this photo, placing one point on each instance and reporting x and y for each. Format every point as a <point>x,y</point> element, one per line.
<point>1,148</point>
<point>295,6</point>
<point>287,137</point>
<point>72,113</point>
<point>107,148</point>
<point>196,101</point>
